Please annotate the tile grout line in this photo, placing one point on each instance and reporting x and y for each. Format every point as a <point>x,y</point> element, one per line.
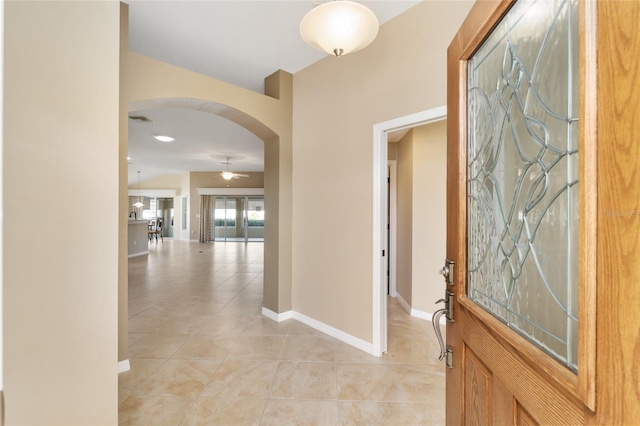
<point>201,286</point>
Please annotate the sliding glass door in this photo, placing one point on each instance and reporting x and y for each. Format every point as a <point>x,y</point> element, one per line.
<point>255,219</point>
<point>239,218</point>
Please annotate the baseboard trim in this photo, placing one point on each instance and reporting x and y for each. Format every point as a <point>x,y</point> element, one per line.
<point>140,253</point>
<point>427,316</point>
<point>320,326</point>
<point>339,334</point>
<point>275,316</point>
<point>124,366</point>
<point>417,313</point>
<point>334,332</point>
<point>404,303</point>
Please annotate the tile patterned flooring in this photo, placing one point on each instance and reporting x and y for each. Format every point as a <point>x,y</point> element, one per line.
<point>201,353</point>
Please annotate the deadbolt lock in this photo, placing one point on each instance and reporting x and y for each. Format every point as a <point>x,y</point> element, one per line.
<point>447,271</point>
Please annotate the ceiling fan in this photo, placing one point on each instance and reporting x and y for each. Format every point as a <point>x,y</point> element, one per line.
<point>228,175</point>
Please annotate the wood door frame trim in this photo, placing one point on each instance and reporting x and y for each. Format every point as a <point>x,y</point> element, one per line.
<point>588,199</point>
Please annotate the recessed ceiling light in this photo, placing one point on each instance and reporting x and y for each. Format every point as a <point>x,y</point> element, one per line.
<point>164,138</point>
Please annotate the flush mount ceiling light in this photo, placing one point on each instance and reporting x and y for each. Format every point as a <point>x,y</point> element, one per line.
<point>164,138</point>
<point>339,27</point>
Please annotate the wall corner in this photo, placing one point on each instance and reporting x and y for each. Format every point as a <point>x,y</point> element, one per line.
<point>279,85</point>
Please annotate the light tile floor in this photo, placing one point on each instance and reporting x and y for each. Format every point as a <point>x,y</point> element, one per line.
<point>202,353</point>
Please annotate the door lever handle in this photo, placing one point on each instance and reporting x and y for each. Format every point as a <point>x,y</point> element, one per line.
<point>435,321</point>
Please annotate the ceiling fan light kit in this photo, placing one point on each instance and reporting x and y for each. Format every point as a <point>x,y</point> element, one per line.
<point>228,175</point>
<point>339,27</point>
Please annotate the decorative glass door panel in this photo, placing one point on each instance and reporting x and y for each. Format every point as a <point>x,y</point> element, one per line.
<point>522,175</point>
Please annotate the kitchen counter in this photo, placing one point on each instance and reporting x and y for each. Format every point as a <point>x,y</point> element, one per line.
<point>138,239</point>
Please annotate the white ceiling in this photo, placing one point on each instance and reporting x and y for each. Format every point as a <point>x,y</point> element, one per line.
<point>240,42</point>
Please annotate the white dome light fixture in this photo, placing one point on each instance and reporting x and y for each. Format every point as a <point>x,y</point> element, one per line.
<point>339,27</point>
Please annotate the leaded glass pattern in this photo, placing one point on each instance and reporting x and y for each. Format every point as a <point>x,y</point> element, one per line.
<point>523,174</point>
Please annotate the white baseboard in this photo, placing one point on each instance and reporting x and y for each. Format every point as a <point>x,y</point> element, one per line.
<point>417,313</point>
<point>124,366</point>
<point>275,316</point>
<point>421,314</point>
<point>339,334</point>
<point>334,332</point>
<point>140,253</point>
<point>427,316</point>
<point>404,303</point>
<point>320,326</point>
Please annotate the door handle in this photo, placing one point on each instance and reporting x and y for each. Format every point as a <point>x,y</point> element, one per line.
<point>435,321</point>
<point>447,311</point>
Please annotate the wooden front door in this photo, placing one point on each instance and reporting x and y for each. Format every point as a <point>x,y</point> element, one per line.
<point>504,367</point>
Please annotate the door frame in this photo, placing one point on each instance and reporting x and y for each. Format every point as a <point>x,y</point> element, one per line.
<point>380,196</point>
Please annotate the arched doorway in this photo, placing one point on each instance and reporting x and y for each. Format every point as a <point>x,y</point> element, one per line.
<point>148,83</point>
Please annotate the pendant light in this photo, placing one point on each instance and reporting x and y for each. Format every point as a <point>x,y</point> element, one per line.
<point>339,27</point>
<point>138,204</point>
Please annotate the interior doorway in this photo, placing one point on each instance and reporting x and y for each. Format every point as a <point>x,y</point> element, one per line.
<point>381,212</point>
<point>392,227</point>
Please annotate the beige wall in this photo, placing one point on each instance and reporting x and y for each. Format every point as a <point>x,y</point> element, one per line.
<point>421,207</point>
<point>173,181</point>
<point>392,151</point>
<point>336,104</point>
<point>60,149</point>
<point>429,215</point>
<point>404,206</point>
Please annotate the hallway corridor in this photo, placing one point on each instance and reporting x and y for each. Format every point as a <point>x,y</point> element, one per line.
<point>202,353</point>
